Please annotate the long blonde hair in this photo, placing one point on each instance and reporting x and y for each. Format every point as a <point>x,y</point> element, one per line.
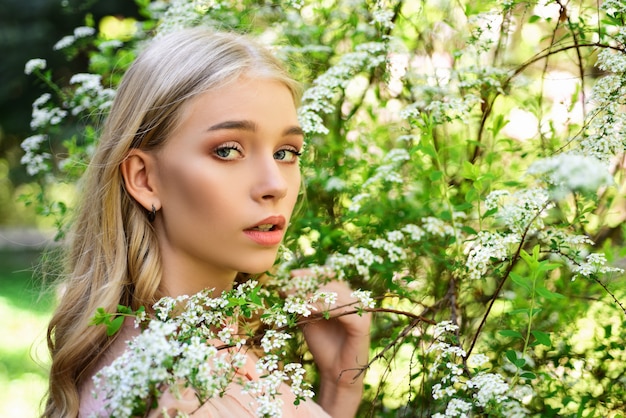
<point>112,256</point>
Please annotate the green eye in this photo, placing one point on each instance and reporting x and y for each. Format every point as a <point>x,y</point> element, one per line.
<point>286,155</point>
<point>228,153</point>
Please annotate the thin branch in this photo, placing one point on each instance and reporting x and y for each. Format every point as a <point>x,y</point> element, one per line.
<point>606,289</point>
<point>542,55</point>
<point>507,273</point>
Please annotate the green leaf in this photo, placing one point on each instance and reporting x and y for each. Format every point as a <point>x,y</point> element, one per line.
<point>528,375</point>
<point>490,212</point>
<point>534,18</point>
<point>525,311</point>
<point>469,171</point>
<point>114,325</point>
<point>542,337</point>
<point>542,291</point>
<point>546,266</point>
<point>511,356</point>
<point>522,281</point>
<point>124,310</point>
<point>511,333</point>
<point>469,230</point>
<point>472,195</point>
<point>100,317</point>
<point>435,175</point>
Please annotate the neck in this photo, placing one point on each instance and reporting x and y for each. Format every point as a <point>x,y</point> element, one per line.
<point>188,279</point>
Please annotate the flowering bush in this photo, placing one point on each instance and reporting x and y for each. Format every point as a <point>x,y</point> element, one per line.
<point>464,167</point>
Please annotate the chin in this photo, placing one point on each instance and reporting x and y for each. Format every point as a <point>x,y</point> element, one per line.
<point>257,268</point>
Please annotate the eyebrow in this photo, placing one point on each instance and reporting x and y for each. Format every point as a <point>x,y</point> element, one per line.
<point>246,125</point>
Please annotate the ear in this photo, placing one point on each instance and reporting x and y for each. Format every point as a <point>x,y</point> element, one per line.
<point>139,178</point>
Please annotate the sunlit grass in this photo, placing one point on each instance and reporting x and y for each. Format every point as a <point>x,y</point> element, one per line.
<point>23,357</point>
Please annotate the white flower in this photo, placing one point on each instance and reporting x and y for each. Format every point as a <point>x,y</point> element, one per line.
<point>595,263</point>
<point>458,408</point>
<point>44,116</point>
<point>383,16</point>
<point>415,232</point>
<point>273,340</point>
<point>477,360</point>
<point>34,64</point>
<point>394,252</point>
<point>487,248</point>
<point>521,211</point>
<point>32,143</point>
<point>436,226</point>
<point>83,32</point>
<point>35,163</point>
<point>490,386</point>
<point>364,297</point>
<point>64,42</point>
<point>334,183</point>
<point>297,305</point>
<point>111,43</point>
<point>569,172</point>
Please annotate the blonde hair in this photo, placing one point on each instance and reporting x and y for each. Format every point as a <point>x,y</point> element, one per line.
<point>112,257</point>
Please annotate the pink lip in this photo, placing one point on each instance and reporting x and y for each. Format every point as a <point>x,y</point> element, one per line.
<point>267,238</point>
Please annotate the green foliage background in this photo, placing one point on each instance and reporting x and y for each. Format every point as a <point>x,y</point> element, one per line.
<point>416,112</point>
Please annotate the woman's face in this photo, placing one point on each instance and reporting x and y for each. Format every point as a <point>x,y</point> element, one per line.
<point>227,180</point>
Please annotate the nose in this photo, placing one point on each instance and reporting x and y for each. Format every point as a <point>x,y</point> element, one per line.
<point>269,180</point>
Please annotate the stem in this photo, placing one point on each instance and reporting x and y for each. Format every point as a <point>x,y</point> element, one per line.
<point>528,328</point>
<point>507,273</point>
<point>606,289</point>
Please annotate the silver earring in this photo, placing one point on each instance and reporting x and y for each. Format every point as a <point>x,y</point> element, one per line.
<point>152,214</point>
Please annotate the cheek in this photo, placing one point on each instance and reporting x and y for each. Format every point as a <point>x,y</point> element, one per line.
<point>186,188</point>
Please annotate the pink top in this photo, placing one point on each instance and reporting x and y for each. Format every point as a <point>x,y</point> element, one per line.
<point>234,403</point>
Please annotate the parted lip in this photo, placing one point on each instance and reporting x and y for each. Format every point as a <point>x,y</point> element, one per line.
<point>278,221</point>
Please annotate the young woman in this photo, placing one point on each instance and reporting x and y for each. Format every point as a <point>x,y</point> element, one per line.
<point>191,187</point>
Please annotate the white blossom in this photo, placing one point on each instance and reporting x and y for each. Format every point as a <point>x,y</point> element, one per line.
<point>383,17</point>
<point>477,360</point>
<point>334,183</point>
<point>394,252</point>
<point>521,211</point>
<point>569,172</point>
<point>436,226</point>
<point>487,248</point>
<point>64,42</point>
<point>415,232</point>
<point>364,297</point>
<point>34,64</point>
<point>595,263</point>
<point>83,32</point>
<point>490,387</point>
<point>43,116</point>
<point>32,143</point>
<point>176,350</point>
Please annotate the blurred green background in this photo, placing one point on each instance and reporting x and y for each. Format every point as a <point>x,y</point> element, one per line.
<point>29,30</point>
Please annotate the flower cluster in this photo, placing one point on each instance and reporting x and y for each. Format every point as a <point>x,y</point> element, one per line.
<point>594,264</point>
<point>35,64</point>
<point>570,172</point>
<point>486,249</point>
<point>319,99</point>
<point>522,210</point>
<point>35,160</point>
<point>386,172</point>
<point>193,343</point>
<point>467,390</point>
<point>68,40</point>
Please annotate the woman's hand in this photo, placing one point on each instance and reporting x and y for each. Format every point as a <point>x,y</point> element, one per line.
<point>340,348</point>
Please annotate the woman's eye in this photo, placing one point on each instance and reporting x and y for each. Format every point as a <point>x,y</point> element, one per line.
<point>287,155</point>
<point>229,152</point>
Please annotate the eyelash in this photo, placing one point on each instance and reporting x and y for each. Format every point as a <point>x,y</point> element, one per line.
<point>229,146</point>
<point>236,147</point>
